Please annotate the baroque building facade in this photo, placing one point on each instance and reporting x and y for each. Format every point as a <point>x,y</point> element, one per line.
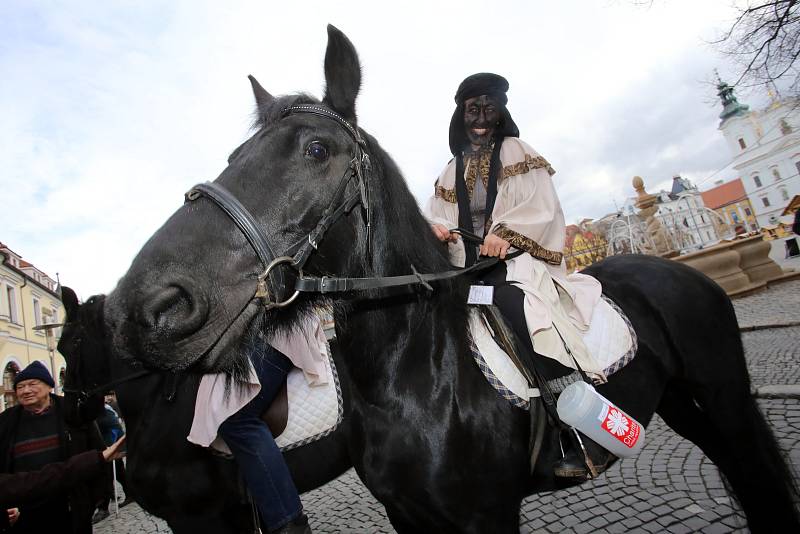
<point>28,299</point>
<point>765,146</point>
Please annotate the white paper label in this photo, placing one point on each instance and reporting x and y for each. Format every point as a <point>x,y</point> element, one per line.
<point>480,294</point>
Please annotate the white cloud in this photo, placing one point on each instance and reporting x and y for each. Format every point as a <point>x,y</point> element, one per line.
<point>112,110</point>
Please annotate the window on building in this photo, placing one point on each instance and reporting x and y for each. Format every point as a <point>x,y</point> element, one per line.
<point>11,293</point>
<point>37,312</point>
<point>765,200</point>
<point>757,180</point>
<point>776,174</point>
<point>742,144</point>
<point>747,212</point>
<point>784,194</point>
<point>702,219</point>
<point>797,166</point>
<point>734,217</point>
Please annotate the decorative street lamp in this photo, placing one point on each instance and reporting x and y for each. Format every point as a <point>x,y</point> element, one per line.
<point>51,348</point>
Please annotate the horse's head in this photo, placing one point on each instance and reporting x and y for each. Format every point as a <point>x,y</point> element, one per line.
<point>188,298</point>
<point>83,348</point>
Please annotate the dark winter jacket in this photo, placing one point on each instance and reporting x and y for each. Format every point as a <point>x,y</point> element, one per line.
<point>72,440</point>
<point>22,488</point>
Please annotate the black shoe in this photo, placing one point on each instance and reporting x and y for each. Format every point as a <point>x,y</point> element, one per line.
<point>99,516</point>
<point>298,525</point>
<point>573,464</point>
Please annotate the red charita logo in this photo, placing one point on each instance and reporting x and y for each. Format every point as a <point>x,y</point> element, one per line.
<point>622,427</point>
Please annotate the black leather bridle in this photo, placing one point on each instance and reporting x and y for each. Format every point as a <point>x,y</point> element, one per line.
<point>358,170</point>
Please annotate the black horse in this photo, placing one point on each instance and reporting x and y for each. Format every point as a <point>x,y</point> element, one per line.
<point>426,433</point>
<point>194,490</point>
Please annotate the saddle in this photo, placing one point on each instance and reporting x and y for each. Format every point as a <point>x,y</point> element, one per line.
<point>277,414</point>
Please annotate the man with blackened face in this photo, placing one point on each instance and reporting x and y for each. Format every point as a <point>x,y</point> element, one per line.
<point>496,198</point>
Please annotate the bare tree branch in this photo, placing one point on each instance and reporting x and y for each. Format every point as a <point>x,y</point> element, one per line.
<point>764,40</point>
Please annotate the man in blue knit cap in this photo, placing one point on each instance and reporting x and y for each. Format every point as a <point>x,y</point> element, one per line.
<point>34,434</point>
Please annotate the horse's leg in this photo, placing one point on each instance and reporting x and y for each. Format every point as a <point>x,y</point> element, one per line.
<point>724,420</point>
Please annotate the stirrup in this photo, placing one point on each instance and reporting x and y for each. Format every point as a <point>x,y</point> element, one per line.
<point>581,467</point>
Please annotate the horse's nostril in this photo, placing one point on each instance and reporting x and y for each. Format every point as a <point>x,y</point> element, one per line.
<point>175,311</point>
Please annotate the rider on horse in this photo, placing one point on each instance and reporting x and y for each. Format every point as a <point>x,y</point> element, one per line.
<point>235,415</point>
<point>500,189</point>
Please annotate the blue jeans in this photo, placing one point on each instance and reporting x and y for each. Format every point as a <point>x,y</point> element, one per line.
<point>260,461</point>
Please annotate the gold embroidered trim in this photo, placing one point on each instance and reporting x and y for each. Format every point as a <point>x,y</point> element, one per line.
<point>530,163</point>
<point>527,244</point>
<point>478,165</point>
<point>448,195</point>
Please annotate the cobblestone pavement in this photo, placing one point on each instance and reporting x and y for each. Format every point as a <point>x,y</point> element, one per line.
<point>670,487</point>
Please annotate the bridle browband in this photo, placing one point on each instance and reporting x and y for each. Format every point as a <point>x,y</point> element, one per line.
<point>358,170</point>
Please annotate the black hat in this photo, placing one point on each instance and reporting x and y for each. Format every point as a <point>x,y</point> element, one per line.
<point>35,370</point>
<point>483,83</point>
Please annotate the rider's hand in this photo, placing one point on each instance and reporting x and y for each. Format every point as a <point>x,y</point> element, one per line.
<point>494,246</point>
<point>112,452</point>
<point>443,234</point>
<point>13,515</point>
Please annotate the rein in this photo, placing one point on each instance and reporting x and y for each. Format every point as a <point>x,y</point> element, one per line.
<point>85,394</point>
<point>357,170</point>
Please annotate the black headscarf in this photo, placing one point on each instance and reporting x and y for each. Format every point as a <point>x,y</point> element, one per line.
<point>494,85</point>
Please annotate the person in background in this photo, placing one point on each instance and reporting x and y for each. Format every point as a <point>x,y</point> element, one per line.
<point>34,434</point>
<point>111,429</point>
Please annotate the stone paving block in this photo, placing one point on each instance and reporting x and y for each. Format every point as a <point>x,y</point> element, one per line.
<point>679,528</point>
<point>583,528</point>
<point>569,521</point>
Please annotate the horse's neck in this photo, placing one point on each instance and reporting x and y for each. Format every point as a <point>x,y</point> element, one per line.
<point>382,338</point>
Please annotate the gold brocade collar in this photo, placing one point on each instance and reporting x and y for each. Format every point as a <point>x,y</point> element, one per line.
<point>477,164</point>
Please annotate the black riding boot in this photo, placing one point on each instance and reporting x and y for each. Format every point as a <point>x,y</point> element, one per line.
<point>573,463</point>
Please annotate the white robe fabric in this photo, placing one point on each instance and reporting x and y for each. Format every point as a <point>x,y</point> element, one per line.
<point>528,214</point>
<point>306,347</point>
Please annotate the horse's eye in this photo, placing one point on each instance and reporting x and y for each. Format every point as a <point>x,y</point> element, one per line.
<point>317,151</point>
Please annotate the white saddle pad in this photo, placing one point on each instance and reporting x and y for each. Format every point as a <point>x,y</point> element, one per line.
<point>314,411</point>
<point>610,339</point>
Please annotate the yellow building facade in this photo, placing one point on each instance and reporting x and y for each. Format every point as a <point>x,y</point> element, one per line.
<point>583,246</point>
<point>28,299</point>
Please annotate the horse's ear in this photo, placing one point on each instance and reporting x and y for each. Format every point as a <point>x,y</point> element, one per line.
<point>263,99</point>
<point>342,74</point>
<point>70,301</point>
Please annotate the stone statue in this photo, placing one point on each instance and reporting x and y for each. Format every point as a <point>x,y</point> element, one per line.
<point>658,243</point>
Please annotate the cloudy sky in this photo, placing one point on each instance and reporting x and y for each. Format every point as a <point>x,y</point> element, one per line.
<point>112,110</point>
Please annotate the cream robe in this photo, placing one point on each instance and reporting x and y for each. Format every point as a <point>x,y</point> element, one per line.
<point>527,213</point>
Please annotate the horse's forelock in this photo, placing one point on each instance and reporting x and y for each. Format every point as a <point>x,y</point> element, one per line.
<point>264,117</point>
<point>273,114</point>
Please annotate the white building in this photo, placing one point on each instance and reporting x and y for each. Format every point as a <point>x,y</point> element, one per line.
<point>766,149</point>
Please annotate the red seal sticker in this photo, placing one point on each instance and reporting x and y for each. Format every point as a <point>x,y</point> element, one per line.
<point>622,427</point>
